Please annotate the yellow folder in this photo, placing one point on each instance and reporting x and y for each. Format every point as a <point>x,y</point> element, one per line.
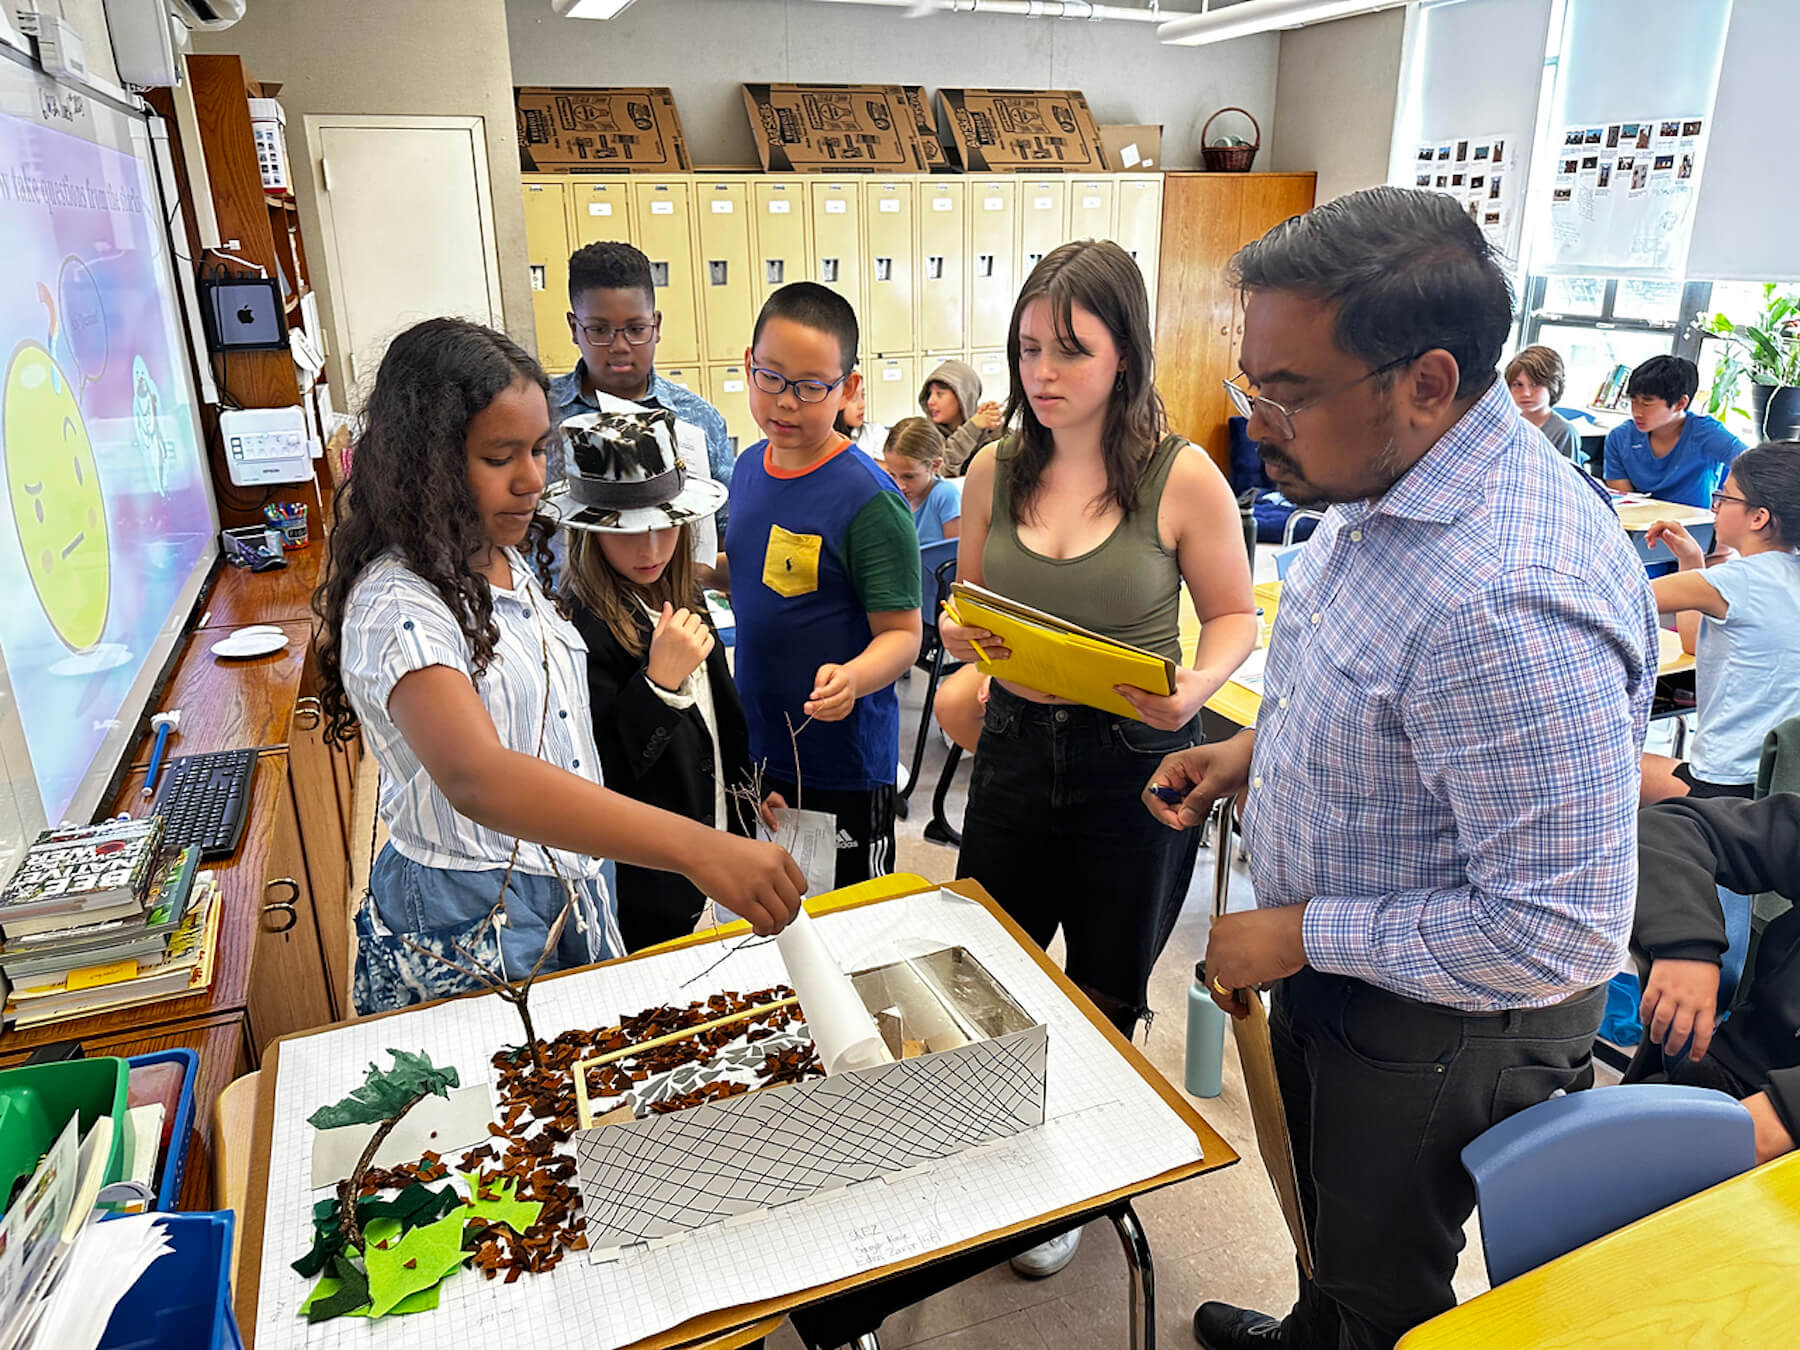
<point>1056,657</point>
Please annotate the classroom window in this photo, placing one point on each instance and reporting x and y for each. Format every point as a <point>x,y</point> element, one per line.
<point>1598,322</point>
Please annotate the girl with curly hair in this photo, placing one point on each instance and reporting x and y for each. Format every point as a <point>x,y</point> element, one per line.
<point>440,636</point>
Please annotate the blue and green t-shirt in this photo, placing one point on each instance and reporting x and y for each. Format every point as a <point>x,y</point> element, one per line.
<point>813,554</point>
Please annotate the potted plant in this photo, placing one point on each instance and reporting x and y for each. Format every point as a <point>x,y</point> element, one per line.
<point>1768,350</point>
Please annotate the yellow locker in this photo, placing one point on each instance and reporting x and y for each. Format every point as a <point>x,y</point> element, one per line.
<point>690,378</point>
<point>992,258</point>
<point>722,207</point>
<point>1139,229</point>
<point>889,324</point>
<point>727,391</point>
<point>547,251</point>
<point>893,389</point>
<point>996,375</point>
<point>1091,208</point>
<point>1043,220</point>
<point>836,220</point>
<point>662,213</point>
<point>602,211</point>
<point>778,232</point>
<point>941,266</point>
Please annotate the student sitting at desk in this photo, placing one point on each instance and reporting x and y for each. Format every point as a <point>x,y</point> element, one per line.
<point>1665,451</point>
<point>1686,851</point>
<point>439,636</point>
<point>1741,620</point>
<point>1535,377</point>
<point>913,456</point>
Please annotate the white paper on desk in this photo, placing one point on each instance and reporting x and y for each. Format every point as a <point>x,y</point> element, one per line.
<point>444,1125</point>
<point>1094,1099</point>
<point>810,837</point>
<point>1250,674</point>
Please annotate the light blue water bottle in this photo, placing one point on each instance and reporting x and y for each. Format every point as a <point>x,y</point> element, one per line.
<point>1205,1039</point>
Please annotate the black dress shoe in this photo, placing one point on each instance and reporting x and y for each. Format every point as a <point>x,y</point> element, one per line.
<point>1219,1326</point>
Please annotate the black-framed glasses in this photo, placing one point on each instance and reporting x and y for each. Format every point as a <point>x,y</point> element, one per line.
<point>807,391</point>
<point>1718,497</point>
<point>1281,417</point>
<point>602,334</point>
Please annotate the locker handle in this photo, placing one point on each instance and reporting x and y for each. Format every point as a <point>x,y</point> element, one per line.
<point>828,270</point>
<point>934,267</point>
<point>718,271</point>
<point>984,264</point>
<point>884,269</point>
<point>659,275</point>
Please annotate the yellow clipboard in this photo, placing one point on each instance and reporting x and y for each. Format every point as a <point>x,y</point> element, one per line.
<point>1056,657</point>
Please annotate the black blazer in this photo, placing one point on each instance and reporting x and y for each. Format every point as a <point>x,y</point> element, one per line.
<point>661,756</point>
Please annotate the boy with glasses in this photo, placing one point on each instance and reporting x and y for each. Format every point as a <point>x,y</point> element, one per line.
<point>615,324</point>
<point>825,582</point>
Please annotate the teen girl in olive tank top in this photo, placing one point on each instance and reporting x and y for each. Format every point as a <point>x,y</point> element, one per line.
<point>1091,511</point>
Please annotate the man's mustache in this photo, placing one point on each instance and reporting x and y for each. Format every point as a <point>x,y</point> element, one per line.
<point>1269,453</point>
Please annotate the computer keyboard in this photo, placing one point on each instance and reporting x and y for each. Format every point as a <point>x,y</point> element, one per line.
<point>204,800</point>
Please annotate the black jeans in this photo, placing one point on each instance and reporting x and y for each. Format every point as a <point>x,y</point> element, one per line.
<point>1382,1093</point>
<point>1057,832</point>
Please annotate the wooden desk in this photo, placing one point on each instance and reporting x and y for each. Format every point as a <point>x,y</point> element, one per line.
<point>230,705</point>
<point>1717,1269</point>
<point>729,1324</point>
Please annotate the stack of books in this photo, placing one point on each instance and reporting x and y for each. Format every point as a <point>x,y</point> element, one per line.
<point>102,917</point>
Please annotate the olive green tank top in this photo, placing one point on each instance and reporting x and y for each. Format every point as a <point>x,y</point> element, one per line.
<point>1127,588</point>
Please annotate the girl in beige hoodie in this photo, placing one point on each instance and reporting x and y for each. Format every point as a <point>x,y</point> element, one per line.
<point>946,397</point>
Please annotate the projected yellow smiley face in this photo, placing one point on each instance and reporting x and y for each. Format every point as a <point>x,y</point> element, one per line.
<point>55,493</point>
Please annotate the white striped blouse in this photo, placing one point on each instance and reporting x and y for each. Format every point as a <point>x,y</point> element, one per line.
<point>394,624</point>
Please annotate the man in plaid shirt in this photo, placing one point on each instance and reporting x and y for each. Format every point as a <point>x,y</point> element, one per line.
<point>1441,788</point>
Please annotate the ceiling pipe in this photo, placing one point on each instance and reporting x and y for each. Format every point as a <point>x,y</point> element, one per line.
<point>1251,17</point>
<point>1033,9</point>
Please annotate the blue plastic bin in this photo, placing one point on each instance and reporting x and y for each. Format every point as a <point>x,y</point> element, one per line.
<point>168,1179</point>
<point>183,1302</point>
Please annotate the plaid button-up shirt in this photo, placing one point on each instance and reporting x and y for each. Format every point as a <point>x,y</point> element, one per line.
<point>1454,705</point>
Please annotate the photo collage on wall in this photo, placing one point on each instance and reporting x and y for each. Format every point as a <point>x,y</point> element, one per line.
<point>1481,172</point>
<point>1623,192</point>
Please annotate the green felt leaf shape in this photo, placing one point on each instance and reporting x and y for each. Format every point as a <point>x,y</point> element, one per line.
<point>494,1203</point>
<point>385,1093</point>
<point>433,1251</point>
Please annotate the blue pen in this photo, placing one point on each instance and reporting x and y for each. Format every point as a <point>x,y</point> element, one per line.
<point>1173,796</point>
<point>164,724</point>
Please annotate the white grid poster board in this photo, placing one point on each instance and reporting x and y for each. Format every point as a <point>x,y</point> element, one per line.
<point>1094,1099</point>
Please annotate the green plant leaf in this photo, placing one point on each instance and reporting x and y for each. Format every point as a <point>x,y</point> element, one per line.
<point>386,1093</point>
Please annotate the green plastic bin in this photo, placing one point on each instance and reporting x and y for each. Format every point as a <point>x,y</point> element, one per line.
<point>36,1101</point>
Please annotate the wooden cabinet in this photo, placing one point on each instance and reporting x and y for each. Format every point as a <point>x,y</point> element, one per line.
<point>1199,323</point>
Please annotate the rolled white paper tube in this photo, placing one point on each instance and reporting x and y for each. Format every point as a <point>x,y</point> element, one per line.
<point>839,1024</point>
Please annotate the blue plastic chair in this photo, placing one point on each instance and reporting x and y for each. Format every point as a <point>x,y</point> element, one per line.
<point>1572,1169</point>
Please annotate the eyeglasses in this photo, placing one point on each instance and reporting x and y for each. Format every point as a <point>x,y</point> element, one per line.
<point>1282,418</point>
<point>1718,497</point>
<point>807,391</point>
<point>602,334</point>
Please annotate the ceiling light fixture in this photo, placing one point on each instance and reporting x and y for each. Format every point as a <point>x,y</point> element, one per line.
<point>590,9</point>
<point>1260,16</point>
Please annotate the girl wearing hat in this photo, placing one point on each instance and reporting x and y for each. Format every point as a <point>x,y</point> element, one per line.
<point>438,637</point>
<point>667,718</point>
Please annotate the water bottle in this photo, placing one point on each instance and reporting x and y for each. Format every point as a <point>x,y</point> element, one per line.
<point>1205,1039</point>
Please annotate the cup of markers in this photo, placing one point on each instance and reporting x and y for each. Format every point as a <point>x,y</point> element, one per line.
<point>290,519</point>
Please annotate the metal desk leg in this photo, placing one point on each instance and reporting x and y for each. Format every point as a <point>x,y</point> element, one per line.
<point>1143,1277</point>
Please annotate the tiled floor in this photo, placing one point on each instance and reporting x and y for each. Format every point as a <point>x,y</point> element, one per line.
<point>1219,1236</point>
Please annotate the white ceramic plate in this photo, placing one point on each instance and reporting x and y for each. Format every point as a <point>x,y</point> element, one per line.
<point>242,645</point>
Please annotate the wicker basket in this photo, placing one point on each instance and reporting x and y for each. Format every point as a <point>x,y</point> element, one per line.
<point>1230,158</point>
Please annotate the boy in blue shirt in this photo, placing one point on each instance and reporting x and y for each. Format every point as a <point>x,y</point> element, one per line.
<point>824,568</point>
<point>1665,451</point>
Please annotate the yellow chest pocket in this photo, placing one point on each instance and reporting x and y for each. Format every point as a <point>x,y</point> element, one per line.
<point>791,564</point>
